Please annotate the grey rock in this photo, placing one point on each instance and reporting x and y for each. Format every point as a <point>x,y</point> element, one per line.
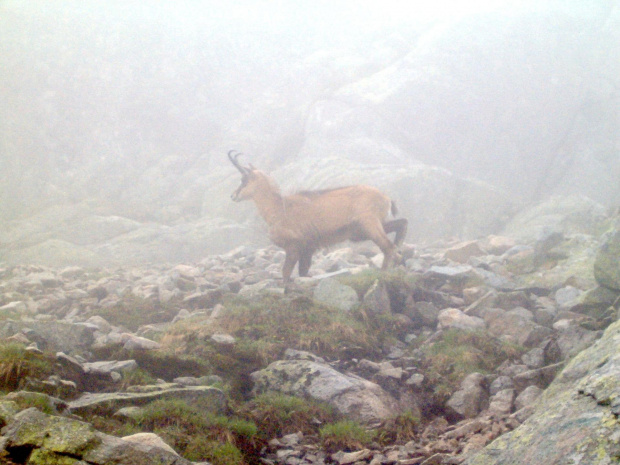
<point>110,366</point>
<point>53,335</point>
<point>377,299</point>
<point>223,339</point>
<point>150,441</point>
<point>502,402</point>
<point>527,397</point>
<point>140,343</point>
<point>349,394</point>
<point>112,402</point>
<point>471,398</point>
<point>455,318</point>
<point>535,358</point>
<point>500,383</point>
<point>331,292</point>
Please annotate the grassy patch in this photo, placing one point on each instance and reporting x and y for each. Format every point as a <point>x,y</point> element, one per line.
<point>345,435</point>
<point>132,312</point>
<point>394,279</point>
<point>459,353</point>
<point>42,402</point>
<point>267,325</point>
<point>401,429</point>
<point>280,414</point>
<point>195,433</point>
<point>17,364</point>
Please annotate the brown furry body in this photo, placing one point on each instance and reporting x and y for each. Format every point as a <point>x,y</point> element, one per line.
<point>306,221</point>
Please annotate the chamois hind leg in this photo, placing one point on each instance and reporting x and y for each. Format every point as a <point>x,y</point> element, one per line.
<point>305,260</point>
<point>292,256</point>
<point>399,226</point>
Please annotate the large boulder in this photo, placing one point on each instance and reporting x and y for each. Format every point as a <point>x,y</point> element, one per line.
<point>607,263</point>
<point>349,394</point>
<point>53,335</point>
<point>560,214</point>
<point>575,420</point>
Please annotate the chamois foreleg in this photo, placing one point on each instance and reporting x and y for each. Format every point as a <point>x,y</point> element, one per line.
<point>373,230</point>
<point>305,260</point>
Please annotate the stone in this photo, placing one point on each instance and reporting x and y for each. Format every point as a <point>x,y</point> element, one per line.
<point>462,252</point>
<point>455,318</point>
<point>112,402</point>
<point>497,245</point>
<point>471,398</point>
<point>335,294</point>
<point>566,295</point>
<point>572,339</point>
<point>105,368</point>
<point>502,402</point>
<point>607,264</point>
<point>535,358</point>
<point>427,312</point>
<point>376,301</point>
<point>527,397</point>
<point>34,429</point>
<point>150,441</point>
<point>53,335</point>
<point>350,395</point>
<point>519,326</point>
<point>500,383</point>
<point>101,324</point>
<point>346,458</point>
<point>140,343</point>
<point>223,339</point>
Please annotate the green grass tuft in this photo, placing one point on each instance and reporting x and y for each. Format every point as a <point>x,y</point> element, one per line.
<point>345,435</point>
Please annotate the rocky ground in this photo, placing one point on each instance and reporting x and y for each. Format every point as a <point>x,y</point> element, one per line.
<point>426,364</point>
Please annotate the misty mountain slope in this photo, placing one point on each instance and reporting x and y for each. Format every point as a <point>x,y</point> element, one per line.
<point>125,113</point>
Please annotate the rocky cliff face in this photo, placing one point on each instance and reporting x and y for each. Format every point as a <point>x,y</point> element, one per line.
<point>576,418</point>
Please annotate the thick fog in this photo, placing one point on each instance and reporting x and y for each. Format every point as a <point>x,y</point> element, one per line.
<point>116,116</point>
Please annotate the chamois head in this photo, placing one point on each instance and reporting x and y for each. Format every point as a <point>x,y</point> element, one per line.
<point>253,181</point>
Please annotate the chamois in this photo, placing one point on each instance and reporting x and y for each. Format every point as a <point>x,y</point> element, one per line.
<point>303,222</point>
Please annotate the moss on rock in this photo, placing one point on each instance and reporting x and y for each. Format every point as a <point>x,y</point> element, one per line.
<point>607,263</point>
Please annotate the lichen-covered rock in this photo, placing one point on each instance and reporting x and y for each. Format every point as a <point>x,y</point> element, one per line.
<point>8,409</point>
<point>607,263</point>
<point>575,420</point>
<point>349,394</point>
<point>55,440</point>
<point>32,428</point>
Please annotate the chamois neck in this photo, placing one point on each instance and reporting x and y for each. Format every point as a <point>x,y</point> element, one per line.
<point>270,206</point>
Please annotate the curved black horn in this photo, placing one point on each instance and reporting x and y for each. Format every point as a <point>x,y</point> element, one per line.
<point>232,156</point>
